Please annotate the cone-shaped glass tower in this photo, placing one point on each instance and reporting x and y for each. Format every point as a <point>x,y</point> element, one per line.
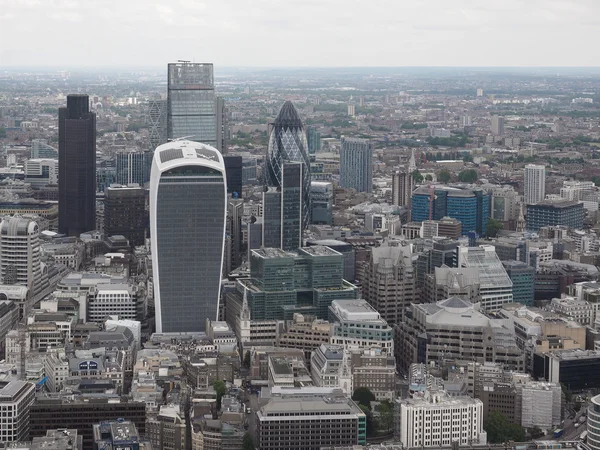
<point>287,143</point>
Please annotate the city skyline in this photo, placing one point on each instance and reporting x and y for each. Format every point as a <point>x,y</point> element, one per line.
<point>420,26</point>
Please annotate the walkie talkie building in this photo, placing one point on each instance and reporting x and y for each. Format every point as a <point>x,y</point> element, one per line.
<point>188,193</point>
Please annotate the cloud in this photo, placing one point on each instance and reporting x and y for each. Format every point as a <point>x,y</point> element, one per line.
<point>302,32</point>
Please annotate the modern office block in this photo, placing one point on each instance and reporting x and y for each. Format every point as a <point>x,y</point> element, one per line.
<point>314,140</point>
<point>522,276</point>
<point>82,414</point>
<point>321,203</point>
<point>470,206</point>
<point>356,164</point>
<point>359,326</point>
<point>555,212</point>
<point>41,172</point>
<point>283,283</point>
<point>287,143</point>
<point>188,207</point>
<point>576,369</point>
<point>156,119</point>
<point>310,418</point>
<point>125,213</point>
<point>40,150</point>
<point>20,255</point>
<point>283,209</point>
<point>191,103</point>
<point>534,184</point>
<point>233,169</point>
<point>222,125</point>
<point>77,166</point>
<point>233,257</point>
<point>402,188</point>
<point>16,398</point>
<point>345,249</point>
<point>495,285</point>
<point>132,167</point>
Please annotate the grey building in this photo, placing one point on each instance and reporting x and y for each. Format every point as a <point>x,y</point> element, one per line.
<point>356,164</point>
<point>191,103</point>
<point>16,398</point>
<point>156,119</point>
<point>345,249</point>
<point>304,419</point>
<point>125,213</point>
<point>132,167</point>
<point>522,276</point>
<point>188,207</point>
<point>555,212</point>
<point>321,203</point>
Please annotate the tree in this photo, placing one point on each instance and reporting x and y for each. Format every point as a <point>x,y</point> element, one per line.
<point>2,132</point>
<point>428,177</point>
<point>492,227</point>
<point>221,390</point>
<point>370,423</point>
<point>363,396</point>
<point>536,433</point>
<point>247,359</point>
<point>386,415</point>
<point>500,430</point>
<point>248,442</point>
<point>567,392</point>
<point>417,177</point>
<point>444,176</point>
<point>467,176</point>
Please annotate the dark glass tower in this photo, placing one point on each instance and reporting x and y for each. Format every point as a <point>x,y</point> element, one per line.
<point>76,166</point>
<point>287,143</point>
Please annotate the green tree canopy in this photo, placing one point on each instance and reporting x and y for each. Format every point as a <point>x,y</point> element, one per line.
<point>2,132</point>
<point>386,415</point>
<point>221,390</point>
<point>428,177</point>
<point>364,397</point>
<point>370,423</point>
<point>492,227</point>
<point>444,176</point>
<point>500,430</point>
<point>248,442</point>
<point>247,359</point>
<point>417,177</point>
<point>467,176</point>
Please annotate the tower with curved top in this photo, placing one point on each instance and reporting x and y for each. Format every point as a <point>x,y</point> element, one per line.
<point>287,144</point>
<point>188,193</point>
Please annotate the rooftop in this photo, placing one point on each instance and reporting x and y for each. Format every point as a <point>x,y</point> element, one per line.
<point>272,253</point>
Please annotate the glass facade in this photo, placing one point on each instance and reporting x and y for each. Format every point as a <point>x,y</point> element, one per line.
<point>291,206</point>
<point>191,103</point>
<point>287,143</point>
<point>76,167</point>
<point>188,227</point>
<point>132,168</point>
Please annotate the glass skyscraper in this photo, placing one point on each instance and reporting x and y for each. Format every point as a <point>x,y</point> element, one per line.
<point>191,103</point>
<point>76,166</point>
<point>287,143</point>
<point>188,201</point>
<point>132,167</point>
<point>157,123</point>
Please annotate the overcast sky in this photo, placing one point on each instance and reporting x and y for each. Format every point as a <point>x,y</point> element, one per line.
<point>274,33</point>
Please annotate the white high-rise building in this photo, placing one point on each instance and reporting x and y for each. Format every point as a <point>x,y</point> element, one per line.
<point>435,419</point>
<point>534,184</point>
<point>16,397</point>
<point>20,254</point>
<point>356,164</point>
<point>188,208</point>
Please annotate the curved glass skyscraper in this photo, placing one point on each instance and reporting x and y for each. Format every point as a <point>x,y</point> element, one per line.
<point>188,193</point>
<point>287,143</point>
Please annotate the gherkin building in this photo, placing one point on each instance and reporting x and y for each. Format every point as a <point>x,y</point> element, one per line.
<point>287,143</point>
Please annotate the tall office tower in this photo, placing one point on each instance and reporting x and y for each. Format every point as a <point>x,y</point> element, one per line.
<point>287,143</point>
<point>390,281</point>
<point>16,398</point>
<point>282,210</point>
<point>41,149</point>
<point>233,258</point>
<point>156,119</point>
<point>188,208</point>
<point>321,203</point>
<point>125,213</point>
<point>222,125</point>
<point>20,254</point>
<point>534,184</point>
<point>356,164</point>
<point>76,166</point>
<point>314,140</point>
<point>402,187</point>
<point>497,125</point>
<point>132,167</point>
<point>191,103</point>
<point>233,170</point>
<point>351,110</point>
